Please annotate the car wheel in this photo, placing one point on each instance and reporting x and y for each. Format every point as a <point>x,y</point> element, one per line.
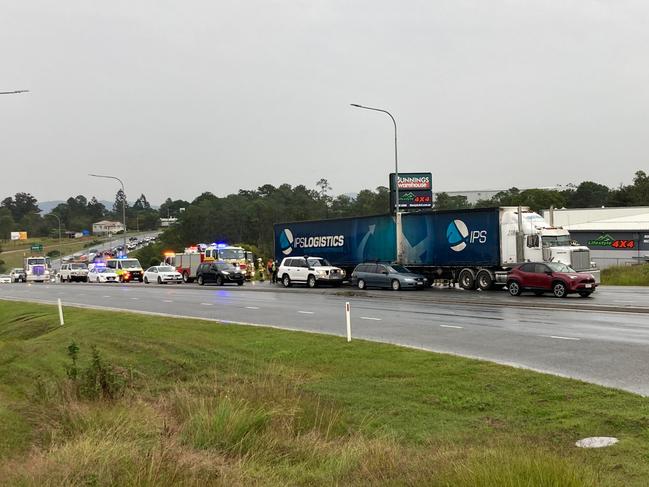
<point>514,288</point>
<point>240,283</point>
<point>361,284</point>
<point>286,281</point>
<point>219,281</point>
<point>311,282</point>
<point>467,279</point>
<point>200,280</point>
<point>159,280</point>
<point>395,285</point>
<point>485,281</point>
<point>559,290</point>
<point>585,294</point>
<point>146,280</point>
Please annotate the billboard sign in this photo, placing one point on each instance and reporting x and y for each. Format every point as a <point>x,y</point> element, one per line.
<point>415,190</point>
<point>18,235</point>
<point>413,181</point>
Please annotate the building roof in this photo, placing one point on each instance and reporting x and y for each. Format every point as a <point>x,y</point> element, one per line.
<point>630,219</point>
<point>107,222</point>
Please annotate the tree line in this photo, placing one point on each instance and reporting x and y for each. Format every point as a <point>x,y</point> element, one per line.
<point>587,194</point>
<point>78,213</point>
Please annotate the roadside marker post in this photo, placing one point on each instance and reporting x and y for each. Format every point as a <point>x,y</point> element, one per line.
<point>61,312</point>
<point>348,316</point>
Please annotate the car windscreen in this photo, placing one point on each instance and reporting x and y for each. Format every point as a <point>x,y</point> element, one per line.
<point>559,267</point>
<point>223,266</point>
<point>130,264</point>
<point>556,240</point>
<point>318,262</point>
<point>231,254</point>
<point>399,268</point>
<point>36,261</point>
<point>78,266</point>
<point>166,268</point>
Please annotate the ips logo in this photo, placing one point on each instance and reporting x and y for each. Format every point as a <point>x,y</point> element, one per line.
<point>286,241</point>
<point>458,235</point>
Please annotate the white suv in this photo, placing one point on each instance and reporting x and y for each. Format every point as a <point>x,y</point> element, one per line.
<point>309,270</point>
<point>75,271</point>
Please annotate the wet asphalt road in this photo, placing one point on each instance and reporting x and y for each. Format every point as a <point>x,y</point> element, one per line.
<point>596,345</point>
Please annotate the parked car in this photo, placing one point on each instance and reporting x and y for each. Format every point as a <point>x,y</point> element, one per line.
<point>218,273</point>
<point>74,271</point>
<point>310,271</point>
<point>554,277</point>
<point>391,276</point>
<point>5,279</point>
<point>162,274</point>
<point>18,274</point>
<point>102,274</point>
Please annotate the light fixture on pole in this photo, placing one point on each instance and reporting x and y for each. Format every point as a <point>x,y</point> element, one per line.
<point>123,201</point>
<point>14,92</point>
<point>396,177</point>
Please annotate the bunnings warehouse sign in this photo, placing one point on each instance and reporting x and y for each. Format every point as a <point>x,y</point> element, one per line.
<point>415,181</point>
<point>415,190</point>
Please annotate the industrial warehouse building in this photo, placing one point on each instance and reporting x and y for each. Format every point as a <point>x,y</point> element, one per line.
<point>615,236</point>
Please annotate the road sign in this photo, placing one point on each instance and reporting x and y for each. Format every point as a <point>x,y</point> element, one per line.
<point>37,247</point>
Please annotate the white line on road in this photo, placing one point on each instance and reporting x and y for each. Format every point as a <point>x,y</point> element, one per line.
<point>560,338</point>
<point>452,326</point>
<point>107,296</point>
<point>370,318</point>
<point>135,299</point>
<point>252,307</point>
<point>306,312</point>
<point>167,301</point>
<point>207,304</point>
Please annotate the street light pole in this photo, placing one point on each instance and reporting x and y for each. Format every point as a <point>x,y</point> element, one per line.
<point>60,246</point>
<point>123,201</point>
<point>396,177</point>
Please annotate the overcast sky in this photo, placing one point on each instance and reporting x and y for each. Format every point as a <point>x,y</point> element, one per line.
<point>181,97</point>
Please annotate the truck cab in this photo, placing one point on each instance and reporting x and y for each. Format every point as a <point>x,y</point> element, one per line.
<point>542,242</point>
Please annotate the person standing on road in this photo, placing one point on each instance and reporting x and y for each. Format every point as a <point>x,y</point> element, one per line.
<point>274,272</point>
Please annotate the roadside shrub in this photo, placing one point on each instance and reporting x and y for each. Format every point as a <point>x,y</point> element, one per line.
<point>99,380</point>
<point>635,275</point>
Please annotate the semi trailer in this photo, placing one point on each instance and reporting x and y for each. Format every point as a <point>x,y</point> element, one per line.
<point>473,247</point>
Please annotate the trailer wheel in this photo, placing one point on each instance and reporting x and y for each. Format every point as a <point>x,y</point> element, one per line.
<point>467,279</point>
<point>485,280</point>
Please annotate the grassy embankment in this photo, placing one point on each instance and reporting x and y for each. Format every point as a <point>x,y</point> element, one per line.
<point>635,275</point>
<point>13,255</point>
<point>234,405</point>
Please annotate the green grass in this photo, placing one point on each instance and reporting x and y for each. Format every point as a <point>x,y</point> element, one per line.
<point>636,275</point>
<point>13,256</point>
<point>235,405</point>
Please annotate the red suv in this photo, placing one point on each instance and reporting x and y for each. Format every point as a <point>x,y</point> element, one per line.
<point>555,277</point>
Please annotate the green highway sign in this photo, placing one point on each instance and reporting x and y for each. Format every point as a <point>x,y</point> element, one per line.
<point>37,247</point>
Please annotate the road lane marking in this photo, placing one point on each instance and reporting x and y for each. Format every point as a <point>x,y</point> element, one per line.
<point>307,312</point>
<point>370,318</point>
<point>107,296</point>
<point>207,304</point>
<point>252,307</point>
<point>560,337</point>
<point>135,299</point>
<point>452,326</point>
<point>167,301</point>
